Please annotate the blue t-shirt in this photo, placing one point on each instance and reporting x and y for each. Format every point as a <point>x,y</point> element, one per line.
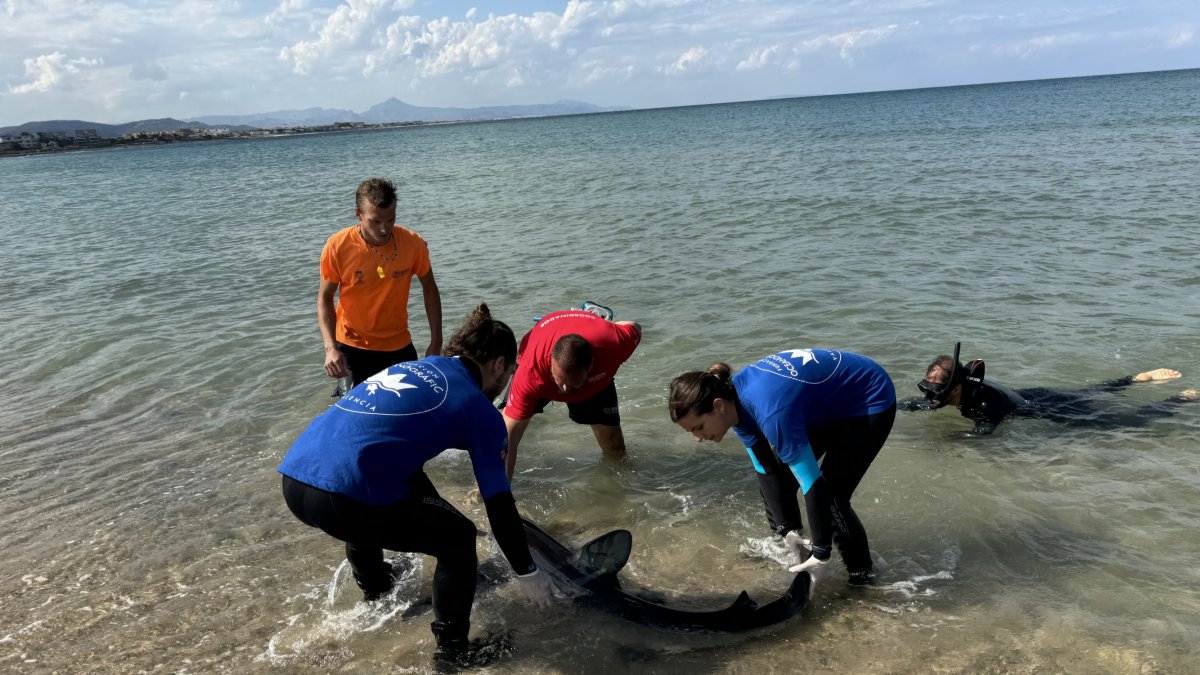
<point>382,431</point>
<point>784,395</point>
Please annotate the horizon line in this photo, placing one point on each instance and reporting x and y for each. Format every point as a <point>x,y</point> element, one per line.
<point>617,108</point>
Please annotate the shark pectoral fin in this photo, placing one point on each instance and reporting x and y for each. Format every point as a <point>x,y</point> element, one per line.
<point>604,555</point>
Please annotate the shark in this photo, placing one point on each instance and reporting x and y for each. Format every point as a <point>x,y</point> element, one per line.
<point>590,575</point>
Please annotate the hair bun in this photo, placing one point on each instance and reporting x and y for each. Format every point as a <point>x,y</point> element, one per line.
<point>721,371</point>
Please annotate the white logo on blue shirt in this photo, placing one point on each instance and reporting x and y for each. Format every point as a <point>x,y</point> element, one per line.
<point>409,388</point>
<point>784,364</point>
<point>388,382</point>
<point>805,355</point>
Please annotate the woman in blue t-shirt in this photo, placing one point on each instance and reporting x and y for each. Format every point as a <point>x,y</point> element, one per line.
<point>792,410</point>
<point>357,473</point>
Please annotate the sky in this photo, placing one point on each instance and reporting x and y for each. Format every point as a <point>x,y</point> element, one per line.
<point>114,61</point>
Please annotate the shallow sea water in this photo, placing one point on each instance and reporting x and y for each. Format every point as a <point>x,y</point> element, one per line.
<point>164,355</point>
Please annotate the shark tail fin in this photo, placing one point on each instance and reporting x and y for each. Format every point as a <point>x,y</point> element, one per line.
<point>605,554</point>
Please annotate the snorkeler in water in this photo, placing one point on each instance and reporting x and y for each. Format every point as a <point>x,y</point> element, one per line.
<point>948,382</point>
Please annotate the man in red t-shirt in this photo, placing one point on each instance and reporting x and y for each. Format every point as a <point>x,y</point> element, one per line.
<point>571,357</point>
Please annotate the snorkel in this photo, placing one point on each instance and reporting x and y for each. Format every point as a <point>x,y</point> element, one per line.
<point>938,392</point>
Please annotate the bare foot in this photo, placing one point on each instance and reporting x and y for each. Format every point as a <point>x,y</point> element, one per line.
<point>1187,395</point>
<point>1156,375</point>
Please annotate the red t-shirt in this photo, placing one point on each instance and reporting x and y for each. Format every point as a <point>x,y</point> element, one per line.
<point>612,344</point>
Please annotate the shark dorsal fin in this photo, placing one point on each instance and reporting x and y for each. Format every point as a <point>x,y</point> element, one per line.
<point>743,601</point>
<point>604,555</point>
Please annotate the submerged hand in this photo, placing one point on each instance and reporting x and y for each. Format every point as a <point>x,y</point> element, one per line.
<point>801,545</point>
<point>538,587</point>
<point>816,571</point>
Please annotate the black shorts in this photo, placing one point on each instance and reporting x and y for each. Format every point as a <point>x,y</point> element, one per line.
<point>364,363</point>
<point>599,409</point>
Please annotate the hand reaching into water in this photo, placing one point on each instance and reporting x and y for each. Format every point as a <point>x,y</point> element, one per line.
<point>538,587</point>
<point>816,571</point>
<point>801,545</point>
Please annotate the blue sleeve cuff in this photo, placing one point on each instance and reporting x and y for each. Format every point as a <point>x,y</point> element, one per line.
<point>805,469</point>
<point>754,460</point>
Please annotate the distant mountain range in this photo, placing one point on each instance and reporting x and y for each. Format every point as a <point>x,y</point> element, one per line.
<point>390,111</point>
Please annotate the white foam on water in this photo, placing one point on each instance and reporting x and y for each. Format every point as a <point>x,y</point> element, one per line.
<point>326,622</point>
<point>685,503</point>
<point>771,549</point>
<point>917,585</point>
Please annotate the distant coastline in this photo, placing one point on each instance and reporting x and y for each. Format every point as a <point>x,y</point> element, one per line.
<point>52,136</point>
<point>184,135</point>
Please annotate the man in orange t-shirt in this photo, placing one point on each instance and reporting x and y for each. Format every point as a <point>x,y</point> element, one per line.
<point>369,267</point>
<point>571,357</point>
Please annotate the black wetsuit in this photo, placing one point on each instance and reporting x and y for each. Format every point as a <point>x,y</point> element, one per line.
<point>357,473</point>
<point>988,403</point>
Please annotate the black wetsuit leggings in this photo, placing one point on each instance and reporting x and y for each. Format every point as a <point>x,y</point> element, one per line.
<point>1078,407</point>
<point>848,446</point>
<point>421,522</point>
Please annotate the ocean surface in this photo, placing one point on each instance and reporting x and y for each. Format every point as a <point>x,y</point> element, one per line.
<point>162,353</point>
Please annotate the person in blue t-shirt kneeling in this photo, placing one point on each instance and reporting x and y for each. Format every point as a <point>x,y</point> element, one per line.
<point>792,409</point>
<point>357,473</point>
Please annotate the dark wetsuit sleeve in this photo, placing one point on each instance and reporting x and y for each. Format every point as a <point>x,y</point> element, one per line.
<point>982,428</point>
<point>988,405</point>
<point>818,502</point>
<point>914,404</point>
<point>778,488</point>
<point>1113,385</point>
<point>509,531</point>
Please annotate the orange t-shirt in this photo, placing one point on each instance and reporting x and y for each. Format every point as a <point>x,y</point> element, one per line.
<point>372,305</point>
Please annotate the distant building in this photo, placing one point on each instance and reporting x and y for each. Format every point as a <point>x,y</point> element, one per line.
<point>27,141</point>
<point>55,137</point>
<point>86,136</point>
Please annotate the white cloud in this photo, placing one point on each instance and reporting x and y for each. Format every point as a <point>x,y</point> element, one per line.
<point>346,28</point>
<point>143,70</point>
<point>1180,39</point>
<point>1027,48</point>
<point>50,71</point>
<point>758,59</point>
<point>602,71</point>
<point>847,42</point>
<point>694,60</point>
<point>287,9</point>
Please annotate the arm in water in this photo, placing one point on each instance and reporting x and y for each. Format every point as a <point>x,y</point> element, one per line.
<point>335,362</point>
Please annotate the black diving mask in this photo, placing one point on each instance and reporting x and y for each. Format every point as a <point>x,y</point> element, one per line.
<point>937,392</point>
